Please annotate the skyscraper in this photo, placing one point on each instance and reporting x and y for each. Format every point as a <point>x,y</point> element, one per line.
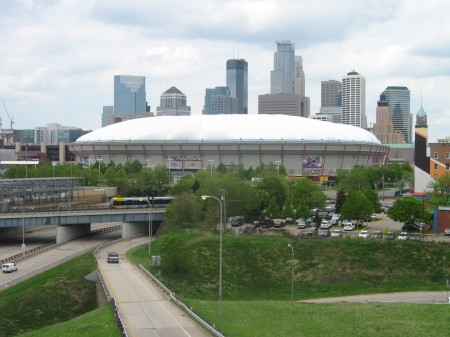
<point>219,101</point>
<point>299,85</point>
<point>129,95</point>
<point>108,111</point>
<point>173,103</point>
<point>354,100</point>
<point>383,128</point>
<point>398,99</point>
<point>331,94</point>
<point>237,82</point>
<point>282,77</point>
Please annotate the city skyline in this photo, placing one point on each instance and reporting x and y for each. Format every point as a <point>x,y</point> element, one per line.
<point>58,58</point>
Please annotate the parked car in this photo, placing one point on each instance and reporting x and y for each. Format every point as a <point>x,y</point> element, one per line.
<point>9,267</point>
<point>376,234</point>
<point>278,223</point>
<point>249,229</point>
<point>447,231</point>
<point>364,234</point>
<point>389,236</point>
<point>403,236</point>
<point>267,223</point>
<point>237,221</point>
<point>325,224</point>
<point>336,233</point>
<point>412,226</point>
<point>256,223</point>
<point>301,224</point>
<point>113,257</point>
<point>311,231</point>
<point>349,226</point>
<point>324,232</point>
<point>415,236</point>
<point>288,221</point>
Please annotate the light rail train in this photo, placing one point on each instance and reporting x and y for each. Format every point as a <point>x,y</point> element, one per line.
<point>140,202</point>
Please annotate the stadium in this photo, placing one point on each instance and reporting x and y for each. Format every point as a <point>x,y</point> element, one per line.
<point>305,147</point>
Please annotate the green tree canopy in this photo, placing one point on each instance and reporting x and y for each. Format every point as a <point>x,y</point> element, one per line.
<point>309,192</point>
<point>407,209</point>
<point>357,206</point>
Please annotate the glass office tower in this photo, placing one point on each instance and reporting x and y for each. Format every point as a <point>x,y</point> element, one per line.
<point>129,95</point>
<point>237,82</point>
<point>282,77</point>
<point>399,100</point>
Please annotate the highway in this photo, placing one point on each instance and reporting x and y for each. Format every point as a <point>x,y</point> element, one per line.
<point>145,308</point>
<point>53,257</point>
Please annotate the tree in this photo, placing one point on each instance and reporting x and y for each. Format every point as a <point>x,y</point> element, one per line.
<point>372,196</point>
<point>302,210</point>
<point>441,190</point>
<point>407,209</point>
<point>356,207</point>
<point>184,211</point>
<point>273,209</point>
<point>340,200</point>
<point>309,192</point>
<point>356,180</point>
<point>110,176</point>
<point>275,186</point>
<point>288,210</point>
<point>175,254</point>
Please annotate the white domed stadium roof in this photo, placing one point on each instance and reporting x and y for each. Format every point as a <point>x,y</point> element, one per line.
<point>228,127</point>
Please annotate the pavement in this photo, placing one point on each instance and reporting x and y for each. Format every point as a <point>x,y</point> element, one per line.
<point>145,309</point>
<point>423,297</point>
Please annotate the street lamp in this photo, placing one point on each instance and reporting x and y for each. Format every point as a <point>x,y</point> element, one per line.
<point>211,161</point>
<point>150,229</point>
<point>292,273</point>
<point>169,160</point>
<point>278,162</point>
<point>36,161</point>
<point>99,160</point>
<point>204,197</point>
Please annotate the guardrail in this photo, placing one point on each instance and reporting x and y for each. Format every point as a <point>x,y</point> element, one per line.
<point>29,253</point>
<point>111,299</point>
<point>40,249</point>
<point>180,303</point>
<point>81,209</point>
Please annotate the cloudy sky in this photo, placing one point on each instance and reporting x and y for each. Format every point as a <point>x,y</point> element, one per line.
<point>58,58</point>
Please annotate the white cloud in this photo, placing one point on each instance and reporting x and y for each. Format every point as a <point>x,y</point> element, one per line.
<point>58,58</point>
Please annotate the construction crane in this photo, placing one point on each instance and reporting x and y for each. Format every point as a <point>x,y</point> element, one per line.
<point>11,119</point>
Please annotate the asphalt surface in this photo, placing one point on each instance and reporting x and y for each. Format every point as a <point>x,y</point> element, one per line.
<point>440,297</point>
<point>146,310</point>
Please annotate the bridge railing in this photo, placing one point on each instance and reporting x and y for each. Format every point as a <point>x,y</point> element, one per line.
<point>77,209</point>
<point>172,296</point>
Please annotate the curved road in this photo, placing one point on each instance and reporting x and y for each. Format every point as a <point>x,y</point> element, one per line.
<point>146,310</point>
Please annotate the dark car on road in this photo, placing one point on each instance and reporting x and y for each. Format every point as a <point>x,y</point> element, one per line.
<point>411,226</point>
<point>113,257</point>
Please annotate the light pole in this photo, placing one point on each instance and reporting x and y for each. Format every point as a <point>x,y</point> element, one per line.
<point>292,273</point>
<point>99,160</point>
<point>26,162</point>
<point>36,161</point>
<point>150,229</point>
<point>204,197</point>
<point>169,160</point>
<point>278,162</point>
<point>23,233</point>
<point>211,161</point>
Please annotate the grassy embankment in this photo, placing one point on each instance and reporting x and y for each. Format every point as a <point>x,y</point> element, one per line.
<point>257,285</point>
<point>54,296</point>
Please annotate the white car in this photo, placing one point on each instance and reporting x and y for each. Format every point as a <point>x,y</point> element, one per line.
<point>403,236</point>
<point>325,224</point>
<point>301,224</point>
<point>336,233</point>
<point>9,267</point>
<point>349,227</point>
<point>364,234</point>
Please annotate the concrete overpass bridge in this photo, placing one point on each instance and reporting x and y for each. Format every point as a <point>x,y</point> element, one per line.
<point>74,223</point>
